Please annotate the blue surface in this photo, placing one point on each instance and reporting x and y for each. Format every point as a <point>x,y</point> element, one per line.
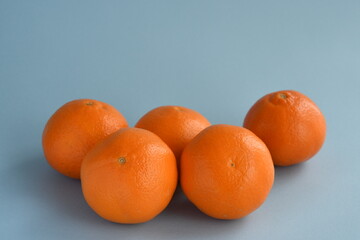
<point>217,57</point>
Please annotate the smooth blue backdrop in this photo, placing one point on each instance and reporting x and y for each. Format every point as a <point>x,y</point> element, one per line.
<point>217,57</point>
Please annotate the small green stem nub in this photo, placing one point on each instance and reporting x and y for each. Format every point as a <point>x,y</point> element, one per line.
<point>283,95</point>
<point>122,160</point>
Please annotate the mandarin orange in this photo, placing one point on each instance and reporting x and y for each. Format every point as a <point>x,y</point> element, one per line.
<point>175,125</point>
<point>130,177</point>
<point>226,171</point>
<point>74,129</point>
<point>290,124</point>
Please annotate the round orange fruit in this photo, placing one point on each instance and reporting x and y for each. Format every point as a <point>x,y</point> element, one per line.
<point>74,129</point>
<point>175,125</point>
<point>130,177</point>
<point>226,171</point>
<point>290,124</point>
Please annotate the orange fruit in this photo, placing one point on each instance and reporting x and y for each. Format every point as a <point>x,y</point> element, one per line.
<point>175,125</point>
<point>290,124</point>
<point>226,171</point>
<point>130,177</point>
<point>74,129</point>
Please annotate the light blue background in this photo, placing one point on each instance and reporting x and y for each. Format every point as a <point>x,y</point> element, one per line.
<point>217,57</point>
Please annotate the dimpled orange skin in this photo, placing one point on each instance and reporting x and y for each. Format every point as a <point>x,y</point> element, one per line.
<point>175,125</point>
<point>226,171</point>
<point>290,124</point>
<point>130,177</point>
<point>74,129</point>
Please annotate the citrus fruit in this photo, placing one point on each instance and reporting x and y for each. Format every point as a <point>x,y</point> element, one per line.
<point>226,171</point>
<point>290,124</point>
<point>175,125</point>
<point>74,129</point>
<point>130,177</point>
